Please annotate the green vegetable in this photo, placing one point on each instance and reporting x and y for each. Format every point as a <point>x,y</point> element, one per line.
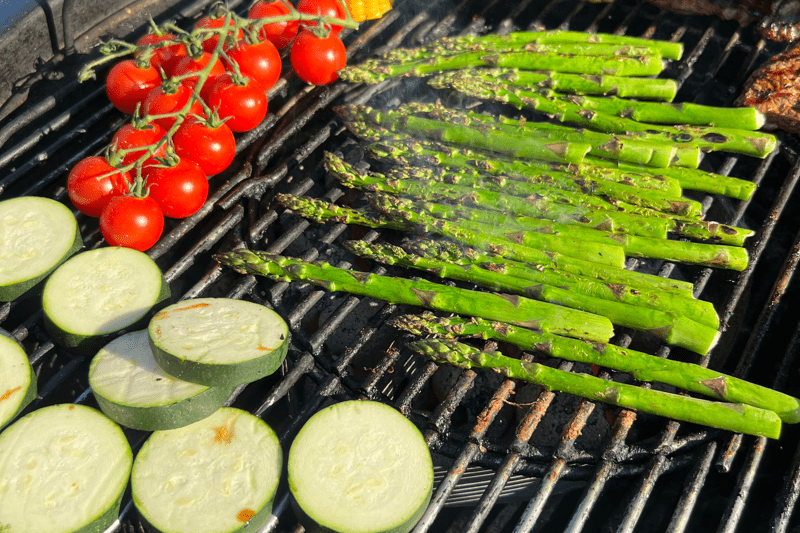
<point>63,469</point>
<point>737,417</point>
<point>642,366</point>
<point>218,475</point>
<point>360,466</point>
<point>17,380</point>
<point>97,294</point>
<point>508,308</point>
<point>218,342</point>
<point>134,391</point>
<point>36,235</point>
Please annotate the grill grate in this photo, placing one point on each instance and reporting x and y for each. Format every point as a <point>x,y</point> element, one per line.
<point>502,464</point>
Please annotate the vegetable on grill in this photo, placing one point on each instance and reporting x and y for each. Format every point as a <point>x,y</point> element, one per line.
<point>737,417</point>
<point>359,466</point>
<point>135,392</point>
<point>63,469</point>
<point>642,366</point>
<point>503,307</point>
<point>17,381</point>
<point>218,475</point>
<point>672,328</point>
<point>36,235</point>
<point>98,293</point>
<point>218,342</point>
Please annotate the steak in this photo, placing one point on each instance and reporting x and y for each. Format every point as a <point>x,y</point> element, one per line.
<point>778,20</point>
<point>774,89</point>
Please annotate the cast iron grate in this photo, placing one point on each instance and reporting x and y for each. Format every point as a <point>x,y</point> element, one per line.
<point>503,463</point>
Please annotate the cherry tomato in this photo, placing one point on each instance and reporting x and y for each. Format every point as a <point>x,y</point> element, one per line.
<point>325,8</point>
<point>260,61</point>
<point>127,85</point>
<point>278,33</point>
<point>88,191</point>
<point>132,222</point>
<point>212,146</point>
<point>179,190</point>
<point>207,22</point>
<point>316,60</point>
<point>129,136</point>
<point>245,105</point>
<point>161,102</point>
<point>164,57</point>
<point>189,64</point>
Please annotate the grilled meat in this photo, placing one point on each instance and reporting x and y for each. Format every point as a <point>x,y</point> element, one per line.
<point>774,89</point>
<point>778,20</point>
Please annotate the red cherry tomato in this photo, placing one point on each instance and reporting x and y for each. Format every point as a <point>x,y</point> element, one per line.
<point>188,64</point>
<point>245,106</point>
<point>127,85</point>
<point>164,57</point>
<point>159,102</point>
<point>89,192</point>
<point>129,136</point>
<point>325,8</point>
<point>213,148</point>
<point>179,190</point>
<point>278,33</point>
<point>132,222</point>
<point>316,60</point>
<point>210,43</point>
<point>260,61</point>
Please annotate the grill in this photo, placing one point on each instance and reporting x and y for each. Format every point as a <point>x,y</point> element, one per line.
<point>508,457</point>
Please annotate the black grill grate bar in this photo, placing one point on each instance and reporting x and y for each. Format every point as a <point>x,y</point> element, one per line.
<point>742,488</point>
<point>695,481</point>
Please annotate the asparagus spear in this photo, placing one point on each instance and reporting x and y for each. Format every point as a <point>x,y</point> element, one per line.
<point>450,47</point>
<point>694,179</point>
<point>676,297</point>
<point>512,145</point>
<point>642,366</point>
<point>649,291</point>
<point>375,70</point>
<point>756,144</point>
<point>746,118</point>
<point>374,181</point>
<point>531,184</point>
<point>401,209</point>
<point>671,328</point>
<point>711,255</point>
<point>407,150</point>
<point>741,418</point>
<point>516,310</point>
<point>662,89</point>
<point>669,50</point>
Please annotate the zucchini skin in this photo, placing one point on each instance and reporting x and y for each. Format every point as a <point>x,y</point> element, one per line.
<point>160,417</point>
<point>221,375</point>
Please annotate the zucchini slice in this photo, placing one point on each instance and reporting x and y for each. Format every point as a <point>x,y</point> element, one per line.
<point>36,235</point>
<point>218,341</point>
<point>17,380</point>
<point>360,467</point>
<point>98,294</point>
<point>218,475</point>
<point>63,469</point>
<point>132,390</point>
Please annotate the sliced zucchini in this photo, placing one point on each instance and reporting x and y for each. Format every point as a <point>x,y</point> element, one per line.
<point>360,467</point>
<point>218,341</point>
<point>17,380</point>
<point>98,294</point>
<point>132,390</point>
<point>36,235</point>
<point>63,469</point>
<point>218,475</point>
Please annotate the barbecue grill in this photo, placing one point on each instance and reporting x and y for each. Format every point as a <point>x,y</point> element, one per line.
<point>508,456</point>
